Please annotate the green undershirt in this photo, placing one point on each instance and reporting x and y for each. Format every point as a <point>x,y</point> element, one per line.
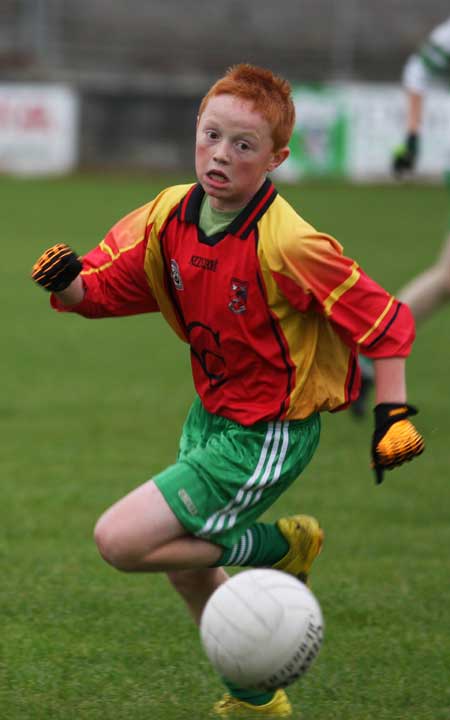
<point>215,221</point>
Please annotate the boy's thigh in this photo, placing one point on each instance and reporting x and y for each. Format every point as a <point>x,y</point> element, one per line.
<point>140,522</point>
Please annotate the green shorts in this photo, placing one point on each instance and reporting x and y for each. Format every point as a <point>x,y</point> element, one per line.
<point>227,475</point>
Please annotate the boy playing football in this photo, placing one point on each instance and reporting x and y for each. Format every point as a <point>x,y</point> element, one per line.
<point>274,315</point>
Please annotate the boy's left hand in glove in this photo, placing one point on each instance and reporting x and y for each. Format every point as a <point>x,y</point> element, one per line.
<point>395,439</point>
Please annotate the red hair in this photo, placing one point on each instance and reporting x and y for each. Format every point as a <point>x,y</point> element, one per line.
<point>270,94</point>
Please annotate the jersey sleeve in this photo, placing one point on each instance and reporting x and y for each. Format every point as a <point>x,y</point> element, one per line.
<point>316,275</point>
<point>113,273</point>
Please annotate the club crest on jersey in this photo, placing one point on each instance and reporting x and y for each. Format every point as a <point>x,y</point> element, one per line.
<point>176,276</point>
<point>238,296</point>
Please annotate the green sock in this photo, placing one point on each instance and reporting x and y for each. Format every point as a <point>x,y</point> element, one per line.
<point>262,545</point>
<point>254,697</point>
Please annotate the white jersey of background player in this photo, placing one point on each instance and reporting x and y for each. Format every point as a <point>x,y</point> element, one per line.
<point>431,62</point>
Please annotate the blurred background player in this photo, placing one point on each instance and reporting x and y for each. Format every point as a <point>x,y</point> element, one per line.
<point>429,290</point>
<point>273,313</point>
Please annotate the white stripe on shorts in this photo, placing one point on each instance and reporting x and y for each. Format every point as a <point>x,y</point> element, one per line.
<point>252,490</point>
<point>211,520</point>
<point>279,464</point>
<point>252,496</point>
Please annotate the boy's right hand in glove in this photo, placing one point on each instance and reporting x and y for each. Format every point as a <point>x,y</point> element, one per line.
<point>56,268</point>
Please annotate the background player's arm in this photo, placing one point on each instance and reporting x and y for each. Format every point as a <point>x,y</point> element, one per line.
<point>430,63</point>
<point>415,80</point>
<point>414,111</point>
<point>405,156</point>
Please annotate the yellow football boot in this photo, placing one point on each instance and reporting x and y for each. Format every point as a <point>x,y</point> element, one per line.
<point>231,707</point>
<point>305,538</point>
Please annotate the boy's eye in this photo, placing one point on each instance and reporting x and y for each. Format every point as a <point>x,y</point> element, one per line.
<point>242,145</point>
<point>212,134</point>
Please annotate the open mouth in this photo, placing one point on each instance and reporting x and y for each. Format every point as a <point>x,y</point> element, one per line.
<point>217,176</point>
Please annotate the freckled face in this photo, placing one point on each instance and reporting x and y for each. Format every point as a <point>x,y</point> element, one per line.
<point>234,151</point>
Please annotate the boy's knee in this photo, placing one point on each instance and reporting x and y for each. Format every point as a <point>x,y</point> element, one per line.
<point>112,547</point>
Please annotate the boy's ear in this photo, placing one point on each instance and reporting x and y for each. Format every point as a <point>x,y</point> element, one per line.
<point>277,158</point>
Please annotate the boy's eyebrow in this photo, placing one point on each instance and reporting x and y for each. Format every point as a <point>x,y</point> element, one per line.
<point>239,131</point>
<point>211,120</point>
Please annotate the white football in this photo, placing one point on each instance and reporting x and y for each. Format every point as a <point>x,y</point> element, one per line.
<point>262,629</point>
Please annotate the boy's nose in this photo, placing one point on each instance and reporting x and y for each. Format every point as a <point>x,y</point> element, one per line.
<point>221,152</point>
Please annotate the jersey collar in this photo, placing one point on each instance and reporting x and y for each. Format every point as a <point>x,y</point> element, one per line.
<point>244,223</point>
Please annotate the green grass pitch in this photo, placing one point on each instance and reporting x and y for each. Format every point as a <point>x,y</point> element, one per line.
<point>88,410</point>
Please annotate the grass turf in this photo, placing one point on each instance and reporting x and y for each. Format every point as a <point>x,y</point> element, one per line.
<point>88,410</point>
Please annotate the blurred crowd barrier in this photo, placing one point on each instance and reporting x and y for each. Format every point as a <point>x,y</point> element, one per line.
<point>39,129</point>
<point>351,130</point>
<point>342,130</point>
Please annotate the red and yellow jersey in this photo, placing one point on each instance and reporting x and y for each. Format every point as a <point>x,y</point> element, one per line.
<point>272,310</point>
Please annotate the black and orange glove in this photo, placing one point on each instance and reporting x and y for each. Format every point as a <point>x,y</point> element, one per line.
<point>395,439</point>
<point>56,268</point>
<point>405,157</point>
